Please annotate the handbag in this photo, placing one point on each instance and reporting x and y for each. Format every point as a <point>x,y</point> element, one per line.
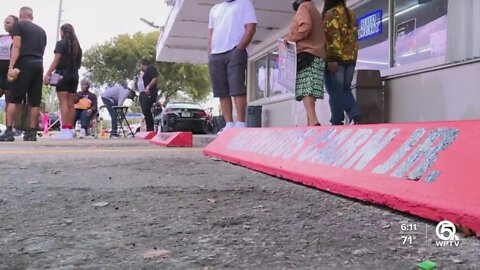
<point>54,79</point>
<point>83,104</point>
<point>304,60</point>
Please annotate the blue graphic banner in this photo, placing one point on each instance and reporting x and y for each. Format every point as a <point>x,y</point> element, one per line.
<point>370,25</point>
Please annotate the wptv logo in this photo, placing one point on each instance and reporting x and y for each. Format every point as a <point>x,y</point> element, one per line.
<point>447,233</point>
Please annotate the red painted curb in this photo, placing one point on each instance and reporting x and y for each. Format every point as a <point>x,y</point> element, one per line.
<point>428,169</point>
<point>173,139</point>
<point>145,135</point>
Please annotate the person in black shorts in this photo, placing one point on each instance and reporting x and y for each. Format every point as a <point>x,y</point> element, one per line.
<point>29,41</point>
<point>67,61</point>
<point>6,42</point>
<point>148,95</point>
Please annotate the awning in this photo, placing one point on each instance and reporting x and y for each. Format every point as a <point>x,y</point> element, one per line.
<point>183,38</point>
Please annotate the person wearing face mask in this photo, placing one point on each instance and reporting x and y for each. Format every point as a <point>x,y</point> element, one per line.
<point>6,42</point>
<point>231,27</point>
<point>307,32</point>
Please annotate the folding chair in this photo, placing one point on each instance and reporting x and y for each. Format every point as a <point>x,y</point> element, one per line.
<point>122,119</point>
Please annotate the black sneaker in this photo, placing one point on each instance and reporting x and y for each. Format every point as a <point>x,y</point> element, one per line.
<point>7,136</point>
<point>355,120</point>
<point>30,136</point>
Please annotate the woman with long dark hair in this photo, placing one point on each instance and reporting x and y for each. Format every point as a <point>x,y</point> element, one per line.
<point>307,32</point>
<point>67,62</point>
<point>6,42</point>
<point>342,50</point>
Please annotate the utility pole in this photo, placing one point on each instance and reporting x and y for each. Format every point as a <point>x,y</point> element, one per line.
<point>57,38</point>
<point>60,10</point>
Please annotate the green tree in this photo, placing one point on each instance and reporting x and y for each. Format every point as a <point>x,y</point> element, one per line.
<point>117,61</point>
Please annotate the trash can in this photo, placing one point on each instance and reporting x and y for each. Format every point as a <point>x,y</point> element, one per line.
<point>370,95</point>
<point>219,123</point>
<point>254,116</point>
<point>168,122</point>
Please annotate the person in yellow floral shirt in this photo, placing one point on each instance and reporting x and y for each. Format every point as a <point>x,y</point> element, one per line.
<point>342,50</point>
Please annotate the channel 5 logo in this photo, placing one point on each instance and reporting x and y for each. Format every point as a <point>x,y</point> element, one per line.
<point>447,233</point>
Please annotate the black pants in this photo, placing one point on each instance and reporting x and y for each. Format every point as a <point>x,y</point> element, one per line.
<point>146,102</point>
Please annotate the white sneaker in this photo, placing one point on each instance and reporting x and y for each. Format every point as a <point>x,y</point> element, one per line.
<point>240,125</point>
<point>83,133</point>
<point>227,126</point>
<point>65,134</point>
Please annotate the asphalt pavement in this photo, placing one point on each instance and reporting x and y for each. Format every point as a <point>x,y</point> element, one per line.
<point>126,204</point>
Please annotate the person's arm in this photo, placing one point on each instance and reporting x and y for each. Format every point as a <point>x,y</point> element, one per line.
<point>250,30</point>
<point>331,22</point>
<point>93,98</point>
<point>153,73</point>
<point>210,32</point>
<point>209,41</point>
<point>152,83</point>
<point>302,25</point>
<point>17,44</point>
<point>250,22</point>
<point>52,68</point>
<point>78,96</point>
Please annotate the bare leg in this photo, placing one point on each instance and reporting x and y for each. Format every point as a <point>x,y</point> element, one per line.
<point>11,110</point>
<point>64,99</point>
<point>241,106</point>
<point>309,103</point>
<point>6,111</point>
<point>226,105</point>
<point>71,109</point>
<point>34,115</point>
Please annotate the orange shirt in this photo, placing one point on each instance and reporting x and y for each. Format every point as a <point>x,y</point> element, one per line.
<point>307,30</point>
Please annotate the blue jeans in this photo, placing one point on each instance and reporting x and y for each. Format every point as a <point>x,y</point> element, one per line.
<point>84,118</point>
<point>113,114</point>
<point>340,93</point>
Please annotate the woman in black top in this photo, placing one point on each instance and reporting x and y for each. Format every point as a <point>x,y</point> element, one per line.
<point>148,95</point>
<point>6,42</point>
<point>67,61</point>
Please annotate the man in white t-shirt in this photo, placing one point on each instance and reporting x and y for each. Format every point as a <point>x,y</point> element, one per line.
<point>231,27</point>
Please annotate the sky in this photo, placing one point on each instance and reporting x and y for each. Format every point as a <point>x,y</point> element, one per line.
<point>95,21</point>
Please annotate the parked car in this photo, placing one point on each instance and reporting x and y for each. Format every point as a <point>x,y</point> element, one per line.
<point>185,116</point>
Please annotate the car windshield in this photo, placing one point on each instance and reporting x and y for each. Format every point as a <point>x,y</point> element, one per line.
<point>184,106</point>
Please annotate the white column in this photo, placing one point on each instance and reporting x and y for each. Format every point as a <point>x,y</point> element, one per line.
<point>463,34</point>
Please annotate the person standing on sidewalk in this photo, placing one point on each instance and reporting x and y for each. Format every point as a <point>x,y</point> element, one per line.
<point>29,42</point>
<point>6,43</point>
<point>309,35</point>
<point>342,51</point>
<point>67,62</point>
<point>149,92</point>
<point>231,27</point>
<point>115,96</point>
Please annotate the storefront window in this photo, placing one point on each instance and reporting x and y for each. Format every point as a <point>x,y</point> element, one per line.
<point>260,79</point>
<point>274,88</point>
<point>372,24</point>
<point>420,30</point>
